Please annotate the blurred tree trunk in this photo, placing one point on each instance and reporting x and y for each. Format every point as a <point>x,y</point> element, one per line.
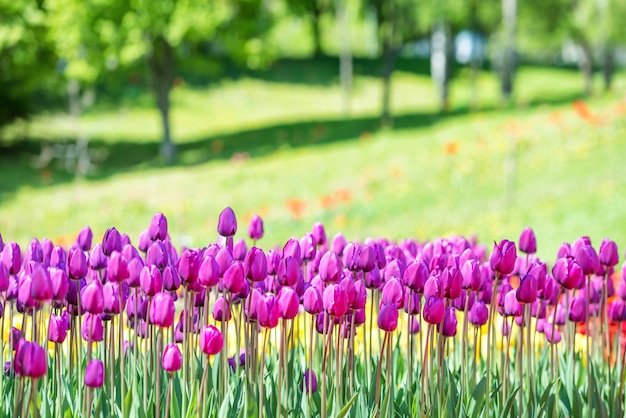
<point>440,62</point>
<point>316,30</point>
<point>509,14</point>
<point>585,63</point>
<point>162,70</point>
<point>608,67</point>
<point>388,29</point>
<point>345,54</point>
<point>475,60</point>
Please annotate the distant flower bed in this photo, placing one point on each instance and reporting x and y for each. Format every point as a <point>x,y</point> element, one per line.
<point>319,328</point>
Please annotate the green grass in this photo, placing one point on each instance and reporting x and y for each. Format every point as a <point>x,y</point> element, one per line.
<point>568,176</point>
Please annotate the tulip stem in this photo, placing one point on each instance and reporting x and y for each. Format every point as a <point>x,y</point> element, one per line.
<point>490,343</point>
<point>281,365</point>
<point>57,363</point>
<point>378,374</point>
<point>121,350</point>
<point>201,392</point>
<point>587,342</point>
<point>311,360</point>
<point>464,344</point>
<point>157,369</point>
<point>262,373</point>
<point>520,368</point>
<point>425,370</point>
<point>169,396</point>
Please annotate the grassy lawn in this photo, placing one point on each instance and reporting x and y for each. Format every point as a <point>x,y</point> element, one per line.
<point>281,149</point>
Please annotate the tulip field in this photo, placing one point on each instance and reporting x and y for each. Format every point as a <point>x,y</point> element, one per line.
<point>318,327</point>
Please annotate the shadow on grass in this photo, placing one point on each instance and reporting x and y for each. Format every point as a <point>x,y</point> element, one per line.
<point>17,160</point>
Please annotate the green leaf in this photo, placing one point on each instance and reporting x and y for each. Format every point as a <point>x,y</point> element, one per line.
<point>509,403</point>
<point>128,402</point>
<point>346,408</point>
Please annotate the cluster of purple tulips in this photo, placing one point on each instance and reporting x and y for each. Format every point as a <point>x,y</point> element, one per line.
<point>128,310</point>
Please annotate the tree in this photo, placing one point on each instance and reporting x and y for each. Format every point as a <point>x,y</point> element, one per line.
<point>312,10</point>
<point>118,32</point>
<point>27,59</point>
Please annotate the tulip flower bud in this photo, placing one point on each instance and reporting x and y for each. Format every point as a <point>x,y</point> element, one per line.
<point>30,360</point>
<point>162,310</point>
<point>472,277</point>
<point>433,310</point>
<point>553,336</point>
<point>415,275</point>
<point>452,280</point>
<point>308,247</point>
<point>209,271</point>
<point>608,256</point>
<point>4,277</point>
<point>449,323</point>
<point>227,223</point>
<point>335,300</point>
<point>568,273</point>
<point>92,298</point>
<point>588,260</point>
<point>188,266</point>
<point>255,230</point>
<point>288,271</point>
<point>617,310</point>
<point>94,374</point>
<point>478,314</point>
<point>151,280</point>
<point>41,286</point>
<point>503,257</point>
<point>578,309</point>
<point>527,241</point>
<point>211,340</point>
<point>85,236</point>
<point>172,359</point>
<point>77,264</point>
<point>256,265</point>
<point>330,269</point>
<point>158,227</point>
<point>24,292</point>
<point>268,311</point>
<point>511,306</point>
<point>372,279</point>
<point>527,290</point>
<point>367,258</point>
<point>58,258</point>
<point>57,329</point>
<point>309,381</point>
<point>312,301</point>
<point>288,302</point>
<point>433,287</point>
<point>111,241</point>
<point>360,296</point>
<point>92,329</point>
<point>117,268</point>
<point>144,240</point>
<point>388,317</point>
<point>233,277</point>
<point>12,257</point>
<point>157,255</point>
<point>339,243</point>
<point>393,292</point>
<point>319,233</point>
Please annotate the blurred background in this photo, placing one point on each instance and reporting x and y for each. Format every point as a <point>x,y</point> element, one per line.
<point>396,118</point>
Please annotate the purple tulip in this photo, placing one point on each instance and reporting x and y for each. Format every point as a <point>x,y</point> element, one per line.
<point>309,381</point>
<point>360,296</point>
<point>4,277</point>
<point>288,271</point>
<point>338,244</point>
<point>41,286</point>
<point>578,309</point>
<point>94,374</point>
<point>568,273</point>
<point>527,290</point>
<point>330,269</point>
<point>393,292</point>
<point>433,287</point>
<point>288,302</point>
<point>172,359</point>
<point>319,233</point>
<point>157,255</point>
<point>57,329</point>
<point>188,266</point>
<point>24,292</point>
<point>233,279</point>
<point>12,257</point>
<point>415,275</point>
<point>511,306</point>
<point>112,303</point>
<point>433,310</point>
<point>227,223</point>
<point>158,227</point>
<point>452,280</point>
<point>608,256</point>
<point>30,360</point>
<point>503,257</point>
<point>85,236</point>
<point>162,310</point>
<point>617,310</point>
<point>117,268</point>
<point>588,260</point>
<point>111,241</point>
<point>553,336</point>
<point>221,310</point>
<point>312,301</point>
<point>255,230</point>
<point>211,340</point>
<point>478,314</point>
<point>471,273</point>
<point>151,280</point>
<point>372,279</point>
<point>58,258</point>
<point>209,271</point>
<point>449,323</point>
<point>527,241</point>
<point>92,327</point>
<point>256,264</point>
<point>77,264</point>
<point>240,250</point>
<point>171,279</point>
<point>268,311</point>
<point>335,300</point>
<point>388,317</point>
